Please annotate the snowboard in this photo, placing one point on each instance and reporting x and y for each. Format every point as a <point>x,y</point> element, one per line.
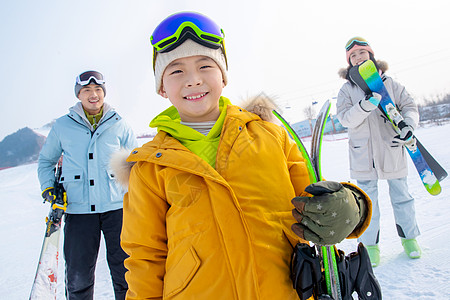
<point>45,280</point>
<point>366,76</point>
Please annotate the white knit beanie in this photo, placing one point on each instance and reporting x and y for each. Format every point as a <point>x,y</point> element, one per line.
<point>187,49</point>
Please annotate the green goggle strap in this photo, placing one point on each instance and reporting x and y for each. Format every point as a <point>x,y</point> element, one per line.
<point>155,52</point>
<point>200,33</point>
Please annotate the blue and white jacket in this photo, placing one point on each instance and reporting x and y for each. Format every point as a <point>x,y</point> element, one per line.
<point>86,174</point>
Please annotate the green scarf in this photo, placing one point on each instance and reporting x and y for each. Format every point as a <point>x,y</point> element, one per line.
<point>201,145</point>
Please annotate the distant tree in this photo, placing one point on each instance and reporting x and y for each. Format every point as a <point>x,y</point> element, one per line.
<point>436,99</point>
<point>310,113</point>
<point>435,108</point>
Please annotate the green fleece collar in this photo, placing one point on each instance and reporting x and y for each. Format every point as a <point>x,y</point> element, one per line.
<point>204,146</point>
<point>169,121</point>
<point>94,119</point>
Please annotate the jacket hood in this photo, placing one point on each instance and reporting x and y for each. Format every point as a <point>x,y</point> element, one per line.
<point>261,105</point>
<point>382,65</point>
<point>78,109</point>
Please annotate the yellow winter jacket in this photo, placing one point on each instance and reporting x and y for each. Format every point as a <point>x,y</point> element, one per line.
<point>195,232</point>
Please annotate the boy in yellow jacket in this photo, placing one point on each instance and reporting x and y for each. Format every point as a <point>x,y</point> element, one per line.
<point>208,212</point>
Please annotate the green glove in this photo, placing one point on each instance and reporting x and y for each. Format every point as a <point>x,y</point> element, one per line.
<point>330,215</point>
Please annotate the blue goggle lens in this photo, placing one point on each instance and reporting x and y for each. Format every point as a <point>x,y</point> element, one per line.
<point>168,31</point>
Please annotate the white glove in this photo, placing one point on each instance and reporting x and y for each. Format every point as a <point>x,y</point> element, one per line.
<point>370,102</point>
<point>406,133</point>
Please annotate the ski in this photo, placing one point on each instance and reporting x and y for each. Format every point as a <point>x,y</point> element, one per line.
<point>366,76</point>
<point>437,169</point>
<point>327,253</point>
<point>323,272</point>
<point>311,170</point>
<point>317,135</point>
<point>45,280</point>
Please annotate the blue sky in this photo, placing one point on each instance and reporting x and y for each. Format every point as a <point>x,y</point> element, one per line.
<point>291,50</point>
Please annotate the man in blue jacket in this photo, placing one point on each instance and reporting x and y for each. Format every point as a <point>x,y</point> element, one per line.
<point>87,137</point>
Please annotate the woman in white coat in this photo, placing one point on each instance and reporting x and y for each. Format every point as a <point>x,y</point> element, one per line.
<point>376,150</point>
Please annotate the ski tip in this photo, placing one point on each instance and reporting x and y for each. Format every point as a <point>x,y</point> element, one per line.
<point>434,189</point>
<point>442,176</point>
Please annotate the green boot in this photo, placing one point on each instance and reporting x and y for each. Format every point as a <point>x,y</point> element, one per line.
<point>374,254</point>
<point>411,247</point>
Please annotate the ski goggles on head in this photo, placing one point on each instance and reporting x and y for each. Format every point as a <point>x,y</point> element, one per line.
<point>356,41</point>
<point>86,77</point>
<point>175,29</point>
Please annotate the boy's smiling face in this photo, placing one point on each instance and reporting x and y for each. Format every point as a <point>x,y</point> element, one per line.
<point>193,85</point>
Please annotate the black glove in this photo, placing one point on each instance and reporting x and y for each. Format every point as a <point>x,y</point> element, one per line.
<point>58,205</point>
<point>49,194</point>
<point>406,133</point>
<point>330,215</point>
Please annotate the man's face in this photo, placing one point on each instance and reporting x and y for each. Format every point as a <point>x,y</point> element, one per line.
<point>194,85</point>
<point>91,97</point>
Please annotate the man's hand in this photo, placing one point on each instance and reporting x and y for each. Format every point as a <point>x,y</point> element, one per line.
<point>329,216</point>
<point>49,194</point>
<point>370,102</point>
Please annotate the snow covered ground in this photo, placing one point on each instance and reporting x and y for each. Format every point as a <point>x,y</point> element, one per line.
<point>22,217</point>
